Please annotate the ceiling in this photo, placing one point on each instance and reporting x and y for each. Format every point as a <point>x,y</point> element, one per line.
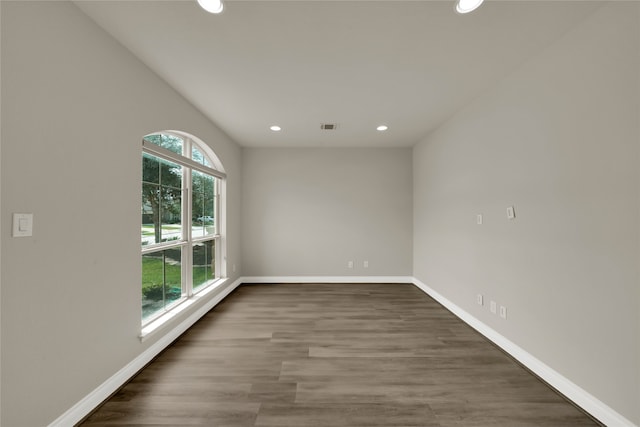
<point>297,64</point>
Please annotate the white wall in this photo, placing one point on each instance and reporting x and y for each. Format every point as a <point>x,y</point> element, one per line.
<point>75,105</point>
<point>307,212</point>
<point>559,140</point>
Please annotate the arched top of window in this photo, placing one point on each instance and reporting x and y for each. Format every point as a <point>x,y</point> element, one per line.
<point>184,149</point>
<point>170,142</point>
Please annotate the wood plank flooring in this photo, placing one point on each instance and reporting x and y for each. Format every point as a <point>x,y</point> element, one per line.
<point>334,355</point>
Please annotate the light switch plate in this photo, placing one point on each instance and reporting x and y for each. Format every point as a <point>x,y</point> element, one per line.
<point>511,213</point>
<point>22,225</point>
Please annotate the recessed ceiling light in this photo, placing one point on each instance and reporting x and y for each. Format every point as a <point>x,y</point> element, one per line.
<point>211,6</point>
<point>466,6</point>
<point>382,128</point>
<point>275,128</point>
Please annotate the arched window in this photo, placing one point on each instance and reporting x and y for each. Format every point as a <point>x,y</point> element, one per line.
<point>181,231</point>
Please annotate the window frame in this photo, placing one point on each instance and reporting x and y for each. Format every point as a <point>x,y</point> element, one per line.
<point>187,241</point>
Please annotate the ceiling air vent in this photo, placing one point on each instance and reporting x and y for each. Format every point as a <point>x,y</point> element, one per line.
<point>328,126</point>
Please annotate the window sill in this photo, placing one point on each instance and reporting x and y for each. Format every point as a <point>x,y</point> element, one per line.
<point>153,327</point>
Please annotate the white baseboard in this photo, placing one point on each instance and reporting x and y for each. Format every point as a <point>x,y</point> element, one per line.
<point>573,392</point>
<point>580,397</point>
<point>327,279</point>
<point>84,407</point>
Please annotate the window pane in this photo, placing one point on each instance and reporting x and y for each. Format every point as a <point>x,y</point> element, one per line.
<point>150,207</point>
<point>172,275</point>
<point>152,284</point>
<point>170,174</point>
<point>150,169</point>
<point>209,184</point>
<point>170,142</point>
<point>197,156</point>
<point>209,212</point>
<point>198,225</point>
<point>161,200</point>
<point>171,214</point>
<point>204,256</point>
<point>161,281</point>
<point>197,182</point>
<point>202,206</point>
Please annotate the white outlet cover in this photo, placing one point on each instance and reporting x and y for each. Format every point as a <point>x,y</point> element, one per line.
<point>503,311</point>
<point>493,307</point>
<point>479,219</point>
<point>511,213</point>
<point>480,299</point>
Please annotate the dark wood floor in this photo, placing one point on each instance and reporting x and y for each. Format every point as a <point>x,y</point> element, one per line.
<point>334,355</point>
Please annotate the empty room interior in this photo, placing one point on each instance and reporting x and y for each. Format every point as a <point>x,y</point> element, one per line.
<point>486,162</point>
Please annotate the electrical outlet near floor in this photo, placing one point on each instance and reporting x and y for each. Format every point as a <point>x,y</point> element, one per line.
<point>480,299</point>
<point>503,311</point>
<point>350,264</point>
<point>493,307</point>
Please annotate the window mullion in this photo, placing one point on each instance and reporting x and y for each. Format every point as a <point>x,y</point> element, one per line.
<point>221,253</point>
<point>216,206</point>
<point>218,256</point>
<point>187,270</point>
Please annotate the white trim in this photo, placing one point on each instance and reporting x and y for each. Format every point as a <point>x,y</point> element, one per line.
<point>579,396</point>
<point>200,144</point>
<point>84,407</point>
<point>183,304</point>
<point>570,390</point>
<point>327,279</point>
<point>163,153</point>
